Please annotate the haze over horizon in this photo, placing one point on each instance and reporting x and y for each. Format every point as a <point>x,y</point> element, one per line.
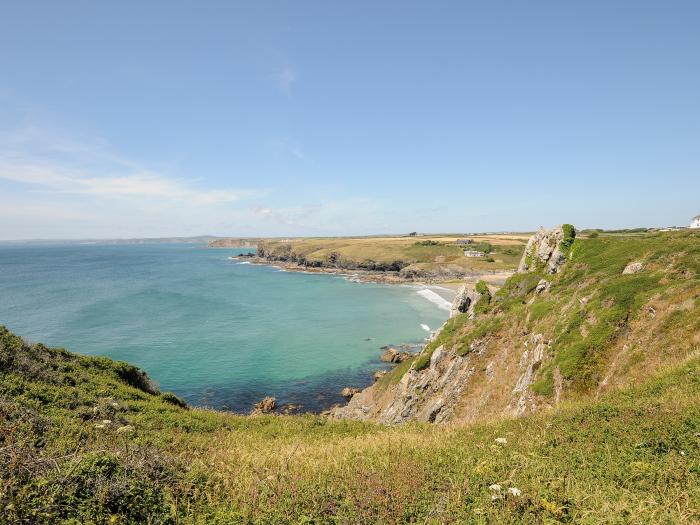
<point>288,119</point>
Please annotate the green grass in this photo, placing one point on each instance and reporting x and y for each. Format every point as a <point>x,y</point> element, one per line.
<point>632,456</point>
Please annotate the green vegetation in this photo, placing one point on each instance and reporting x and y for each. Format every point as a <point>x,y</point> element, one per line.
<point>569,237</point>
<point>632,456</point>
<point>427,243</point>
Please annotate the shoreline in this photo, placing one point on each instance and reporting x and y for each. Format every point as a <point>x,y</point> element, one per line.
<point>496,278</point>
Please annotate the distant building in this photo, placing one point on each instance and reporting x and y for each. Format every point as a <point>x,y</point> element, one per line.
<point>463,241</point>
<point>473,253</point>
<point>696,222</point>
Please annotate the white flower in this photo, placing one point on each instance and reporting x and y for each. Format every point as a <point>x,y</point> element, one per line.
<point>495,487</point>
<point>515,492</point>
<point>501,441</point>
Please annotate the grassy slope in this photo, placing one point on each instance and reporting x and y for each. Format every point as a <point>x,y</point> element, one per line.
<point>507,250</point>
<point>629,457</point>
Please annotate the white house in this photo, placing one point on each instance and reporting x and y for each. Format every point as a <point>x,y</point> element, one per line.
<point>696,222</point>
<point>473,253</point>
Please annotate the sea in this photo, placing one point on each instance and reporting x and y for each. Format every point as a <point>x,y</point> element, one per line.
<point>215,330</point>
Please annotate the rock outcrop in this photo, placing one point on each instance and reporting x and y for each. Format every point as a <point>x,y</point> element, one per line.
<point>392,355</point>
<point>464,301</point>
<point>544,249</point>
<point>349,391</point>
<point>265,406</point>
<point>491,374</point>
<point>633,267</point>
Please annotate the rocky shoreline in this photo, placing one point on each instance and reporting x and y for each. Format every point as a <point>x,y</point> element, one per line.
<point>382,276</point>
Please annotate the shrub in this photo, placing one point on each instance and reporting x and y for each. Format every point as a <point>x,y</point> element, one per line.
<point>171,398</point>
<point>569,237</point>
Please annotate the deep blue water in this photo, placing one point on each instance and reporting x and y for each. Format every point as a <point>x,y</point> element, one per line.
<point>214,331</point>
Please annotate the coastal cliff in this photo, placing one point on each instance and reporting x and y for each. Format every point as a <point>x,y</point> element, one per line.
<point>580,316</point>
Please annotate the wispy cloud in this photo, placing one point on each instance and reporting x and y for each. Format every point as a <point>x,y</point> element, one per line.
<point>285,78</point>
<point>53,163</point>
<point>61,186</point>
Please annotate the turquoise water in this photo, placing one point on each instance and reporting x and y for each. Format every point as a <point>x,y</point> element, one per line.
<point>216,332</point>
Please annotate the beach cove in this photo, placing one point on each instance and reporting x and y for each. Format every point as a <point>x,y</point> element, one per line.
<point>214,330</point>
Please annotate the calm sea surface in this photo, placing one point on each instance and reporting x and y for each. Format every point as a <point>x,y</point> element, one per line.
<point>216,332</point>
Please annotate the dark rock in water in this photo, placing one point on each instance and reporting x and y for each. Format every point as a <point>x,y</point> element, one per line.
<point>349,391</point>
<point>266,406</point>
<point>368,338</point>
<point>291,408</point>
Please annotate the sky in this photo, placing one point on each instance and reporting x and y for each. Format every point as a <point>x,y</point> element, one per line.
<point>281,118</point>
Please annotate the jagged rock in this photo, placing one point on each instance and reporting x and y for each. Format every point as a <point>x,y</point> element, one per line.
<point>530,361</point>
<point>543,250</point>
<point>633,267</point>
<point>389,355</point>
<point>437,355</point>
<point>464,301</point>
<point>349,391</point>
<point>265,406</point>
<point>542,286</point>
<point>490,370</point>
<point>379,374</point>
<point>392,355</point>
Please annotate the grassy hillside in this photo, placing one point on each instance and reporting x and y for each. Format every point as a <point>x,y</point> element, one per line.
<point>598,327</point>
<point>89,440</point>
<point>437,256</point>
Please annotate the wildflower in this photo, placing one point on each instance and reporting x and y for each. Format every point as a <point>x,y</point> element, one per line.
<point>513,491</point>
<point>501,441</point>
<point>495,487</point>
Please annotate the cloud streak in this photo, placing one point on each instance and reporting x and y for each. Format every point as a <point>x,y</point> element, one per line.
<point>285,78</point>
<point>57,186</point>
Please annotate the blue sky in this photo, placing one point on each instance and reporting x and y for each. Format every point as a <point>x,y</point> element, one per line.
<point>122,119</point>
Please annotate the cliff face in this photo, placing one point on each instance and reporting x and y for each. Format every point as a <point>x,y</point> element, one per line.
<point>572,321</point>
